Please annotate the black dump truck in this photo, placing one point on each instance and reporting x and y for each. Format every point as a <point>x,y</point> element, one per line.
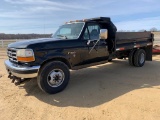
<point>75,45</point>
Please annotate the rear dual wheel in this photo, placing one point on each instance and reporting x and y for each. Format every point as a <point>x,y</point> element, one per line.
<point>109,60</point>
<point>137,57</point>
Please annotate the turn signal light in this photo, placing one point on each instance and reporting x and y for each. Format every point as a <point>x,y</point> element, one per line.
<point>26,59</point>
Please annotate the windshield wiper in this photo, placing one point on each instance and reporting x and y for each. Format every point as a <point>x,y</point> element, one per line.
<point>63,36</point>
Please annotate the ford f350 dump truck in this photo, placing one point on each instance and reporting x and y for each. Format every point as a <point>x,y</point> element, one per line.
<point>75,45</point>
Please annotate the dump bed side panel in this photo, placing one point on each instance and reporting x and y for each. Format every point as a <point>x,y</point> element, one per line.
<point>131,37</point>
<point>126,41</point>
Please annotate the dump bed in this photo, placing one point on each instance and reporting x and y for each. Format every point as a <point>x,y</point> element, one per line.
<point>125,37</point>
<point>130,40</point>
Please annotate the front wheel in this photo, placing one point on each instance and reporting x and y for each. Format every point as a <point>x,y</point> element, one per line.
<point>53,77</point>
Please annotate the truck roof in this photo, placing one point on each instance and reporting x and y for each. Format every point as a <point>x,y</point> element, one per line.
<point>105,23</point>
<point>98,19</point>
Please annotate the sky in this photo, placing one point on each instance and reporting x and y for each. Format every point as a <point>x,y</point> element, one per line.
<point>45,16</point>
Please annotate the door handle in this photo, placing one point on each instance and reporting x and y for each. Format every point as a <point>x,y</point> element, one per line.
<point>103,43</point>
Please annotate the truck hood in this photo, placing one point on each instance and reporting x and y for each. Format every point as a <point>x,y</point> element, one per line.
<point>26,43</point>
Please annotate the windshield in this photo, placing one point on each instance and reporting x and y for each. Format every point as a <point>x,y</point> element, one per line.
<point>69,31</point>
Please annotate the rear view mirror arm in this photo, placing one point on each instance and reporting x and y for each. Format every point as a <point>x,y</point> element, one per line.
<point>94,45</point>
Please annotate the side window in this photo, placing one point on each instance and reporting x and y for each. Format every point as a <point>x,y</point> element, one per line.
<point>86,35</point>
<point>94,31</point>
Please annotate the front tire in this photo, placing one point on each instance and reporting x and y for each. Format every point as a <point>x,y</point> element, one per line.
<point>53,77</point>
<point>139,58</point>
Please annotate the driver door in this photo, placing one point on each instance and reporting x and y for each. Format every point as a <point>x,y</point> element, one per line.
<point>97,49</point>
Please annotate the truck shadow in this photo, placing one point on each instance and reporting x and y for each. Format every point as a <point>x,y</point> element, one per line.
<point>97,85</point>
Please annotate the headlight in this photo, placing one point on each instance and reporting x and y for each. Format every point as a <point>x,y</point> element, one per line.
<point>25,55</point>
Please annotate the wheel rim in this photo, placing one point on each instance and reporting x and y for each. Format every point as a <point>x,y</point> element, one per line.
<point>142,58</point>
<point>55,78</point>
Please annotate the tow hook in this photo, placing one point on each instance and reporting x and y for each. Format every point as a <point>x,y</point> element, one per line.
<point>16,80</point>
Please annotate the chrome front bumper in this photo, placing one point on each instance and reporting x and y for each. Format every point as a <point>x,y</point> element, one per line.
<point>21,71</point>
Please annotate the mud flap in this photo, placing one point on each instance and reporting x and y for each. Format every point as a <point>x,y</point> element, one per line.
<point>148,50</point>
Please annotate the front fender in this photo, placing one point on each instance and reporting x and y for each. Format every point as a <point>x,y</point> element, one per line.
<point>50,56</point>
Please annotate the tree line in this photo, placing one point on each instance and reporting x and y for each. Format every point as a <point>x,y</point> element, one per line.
<point>4,36</point>
<point>154,29</point>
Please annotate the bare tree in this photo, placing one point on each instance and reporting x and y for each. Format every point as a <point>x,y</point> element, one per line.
<point>24,36</point>
<point>153,29</point>
<point>121,30</point>
<point>142,30</point>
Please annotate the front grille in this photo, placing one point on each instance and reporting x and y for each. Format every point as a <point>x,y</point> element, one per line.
<point>12,54</point>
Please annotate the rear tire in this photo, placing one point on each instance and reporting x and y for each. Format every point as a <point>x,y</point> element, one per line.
<point>53,77</point>
<point>131,57</point>
<point>109,60</point>
<point>139,58</point>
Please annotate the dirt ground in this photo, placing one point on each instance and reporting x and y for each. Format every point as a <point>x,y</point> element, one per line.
<point>112,91</point>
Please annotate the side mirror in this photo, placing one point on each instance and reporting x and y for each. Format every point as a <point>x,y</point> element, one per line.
<point>103,34</point>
